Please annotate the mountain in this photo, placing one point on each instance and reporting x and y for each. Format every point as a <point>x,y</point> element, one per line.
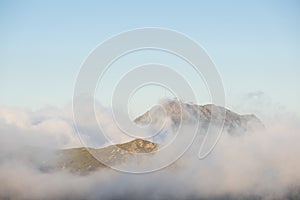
<point>82,159</point>
<point>178,112</point>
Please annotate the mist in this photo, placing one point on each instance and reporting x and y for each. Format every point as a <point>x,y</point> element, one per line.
<point>263,164</point>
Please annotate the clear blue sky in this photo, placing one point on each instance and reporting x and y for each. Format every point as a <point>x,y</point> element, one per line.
<point>255,45</point>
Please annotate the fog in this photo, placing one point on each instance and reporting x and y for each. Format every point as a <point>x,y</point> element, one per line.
<point>263,164</point>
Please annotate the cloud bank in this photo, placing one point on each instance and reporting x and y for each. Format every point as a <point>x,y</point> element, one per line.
<point>264,164</point>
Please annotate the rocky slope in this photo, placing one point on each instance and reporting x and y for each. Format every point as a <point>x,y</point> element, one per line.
<point>82,160</point>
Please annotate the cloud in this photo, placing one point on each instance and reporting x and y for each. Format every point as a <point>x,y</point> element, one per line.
<point>57,124</point>
<point>260,164</point>
<point>53,124</point>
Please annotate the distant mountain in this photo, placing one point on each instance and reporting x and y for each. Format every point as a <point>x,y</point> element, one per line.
<point>186,113</point>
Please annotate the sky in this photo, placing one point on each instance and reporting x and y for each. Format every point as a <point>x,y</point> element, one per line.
<point>255,45</point>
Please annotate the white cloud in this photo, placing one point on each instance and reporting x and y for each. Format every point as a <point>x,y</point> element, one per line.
<point>264,163</point>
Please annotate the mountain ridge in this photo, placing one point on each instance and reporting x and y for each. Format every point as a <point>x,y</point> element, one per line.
<point>180,112</point>
<point>84,159</point>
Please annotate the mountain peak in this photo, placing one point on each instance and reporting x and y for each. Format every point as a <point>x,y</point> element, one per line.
<point>179,112</point>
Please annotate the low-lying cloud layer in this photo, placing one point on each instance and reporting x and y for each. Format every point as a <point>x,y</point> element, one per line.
<point>264,164</point>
